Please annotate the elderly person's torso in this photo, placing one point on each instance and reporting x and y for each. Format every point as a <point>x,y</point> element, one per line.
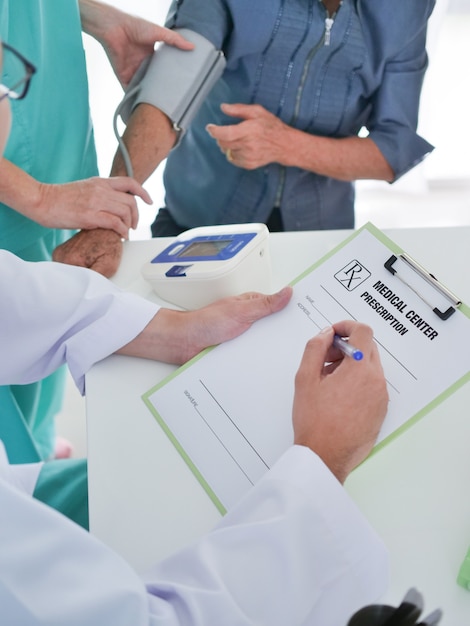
<point>328,69</point>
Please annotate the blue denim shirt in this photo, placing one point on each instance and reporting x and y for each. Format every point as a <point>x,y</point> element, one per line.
<point>370,75</point>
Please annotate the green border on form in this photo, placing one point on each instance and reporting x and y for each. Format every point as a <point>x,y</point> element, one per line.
<point>186,458</point>
<point>393,247</point>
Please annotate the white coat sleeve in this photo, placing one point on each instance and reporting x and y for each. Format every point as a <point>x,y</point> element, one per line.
<point>295,551</point>
<point>53,314</point>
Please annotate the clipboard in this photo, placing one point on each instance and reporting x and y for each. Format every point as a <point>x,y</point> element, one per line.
<point>429,278</point>
<point>216,408</point>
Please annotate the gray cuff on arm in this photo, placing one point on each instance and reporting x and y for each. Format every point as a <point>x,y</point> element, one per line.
<point>176,81</point>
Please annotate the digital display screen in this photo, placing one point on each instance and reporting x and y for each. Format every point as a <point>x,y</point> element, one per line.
<point>205,248</point>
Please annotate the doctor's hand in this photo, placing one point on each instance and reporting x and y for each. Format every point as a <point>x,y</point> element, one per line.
<point>127,40</point>
<point>177,336</point>
<point>340,403</point>
<point>259,139</point>
<point>92,203</point>
<point>97,249</point>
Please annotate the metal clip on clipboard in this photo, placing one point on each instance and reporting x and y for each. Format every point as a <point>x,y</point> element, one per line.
<point>430,279</point>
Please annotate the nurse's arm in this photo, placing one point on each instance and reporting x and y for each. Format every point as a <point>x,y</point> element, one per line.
<point>92,203</point>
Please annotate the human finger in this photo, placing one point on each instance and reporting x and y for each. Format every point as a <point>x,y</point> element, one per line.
<point>236,157</point>
<point>359,335</point>
<point>107,220</point>
<point>315,355</point>
<point>131,188</point>
<point>125,206</point>
<point>257,305</point>
<point>172,38</point>
<point>228,150</point>
<point>226,135</point>
<point>243,111</point>
<point>127,184</point>
<point>115,211</point>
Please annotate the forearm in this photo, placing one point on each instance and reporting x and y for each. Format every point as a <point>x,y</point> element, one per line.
<point>176,336</point>
<point>165,338</point>
<point>20,191</point>
<point>349,159</point>
<point>149,137</point>
<point>98,19</point>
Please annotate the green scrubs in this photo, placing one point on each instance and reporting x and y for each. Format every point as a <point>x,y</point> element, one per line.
<point>63,485</point>
<point>52,140</point>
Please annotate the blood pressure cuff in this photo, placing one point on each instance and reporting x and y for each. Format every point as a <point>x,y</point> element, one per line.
<point>175,81</point>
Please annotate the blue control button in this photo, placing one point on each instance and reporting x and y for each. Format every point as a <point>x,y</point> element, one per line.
<point>177,270</point>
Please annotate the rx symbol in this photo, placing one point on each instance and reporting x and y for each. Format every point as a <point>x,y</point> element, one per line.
<point>352,275</point>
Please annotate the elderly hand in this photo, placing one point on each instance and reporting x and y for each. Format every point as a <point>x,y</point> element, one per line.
<point>261,137</point>
<point>340,403</point>
<point>92,203</point>
<point>98,249</point>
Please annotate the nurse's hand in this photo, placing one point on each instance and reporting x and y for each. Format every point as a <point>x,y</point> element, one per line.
<point>127,40</point>
<point>340,403</point>
<point>92,203</point>
<point>98,249</point>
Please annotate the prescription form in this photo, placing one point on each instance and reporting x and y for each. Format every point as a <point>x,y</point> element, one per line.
<point>228,411</point>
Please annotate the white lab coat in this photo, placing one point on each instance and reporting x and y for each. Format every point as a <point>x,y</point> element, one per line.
<point>52,314</point>
<point>294,551</point>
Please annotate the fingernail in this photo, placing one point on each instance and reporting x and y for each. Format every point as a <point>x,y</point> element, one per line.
<point>326,330</point>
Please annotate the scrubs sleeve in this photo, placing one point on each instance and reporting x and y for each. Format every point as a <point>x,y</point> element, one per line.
<point>396,107</point>
<point>58,314</point>
<point>295,550</point>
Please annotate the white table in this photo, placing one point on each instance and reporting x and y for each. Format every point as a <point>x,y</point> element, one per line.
<point>145,502</point>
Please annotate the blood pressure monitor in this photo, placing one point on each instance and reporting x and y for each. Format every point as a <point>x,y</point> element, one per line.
<point>210,262</point>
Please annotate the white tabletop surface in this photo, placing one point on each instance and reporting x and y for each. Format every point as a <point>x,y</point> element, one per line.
<point>145,502</point>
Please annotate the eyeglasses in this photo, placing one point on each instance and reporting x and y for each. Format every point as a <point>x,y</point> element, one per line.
<point>17,74</point>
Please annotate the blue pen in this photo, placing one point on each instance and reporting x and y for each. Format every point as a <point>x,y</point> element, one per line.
<point>346,348</point>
